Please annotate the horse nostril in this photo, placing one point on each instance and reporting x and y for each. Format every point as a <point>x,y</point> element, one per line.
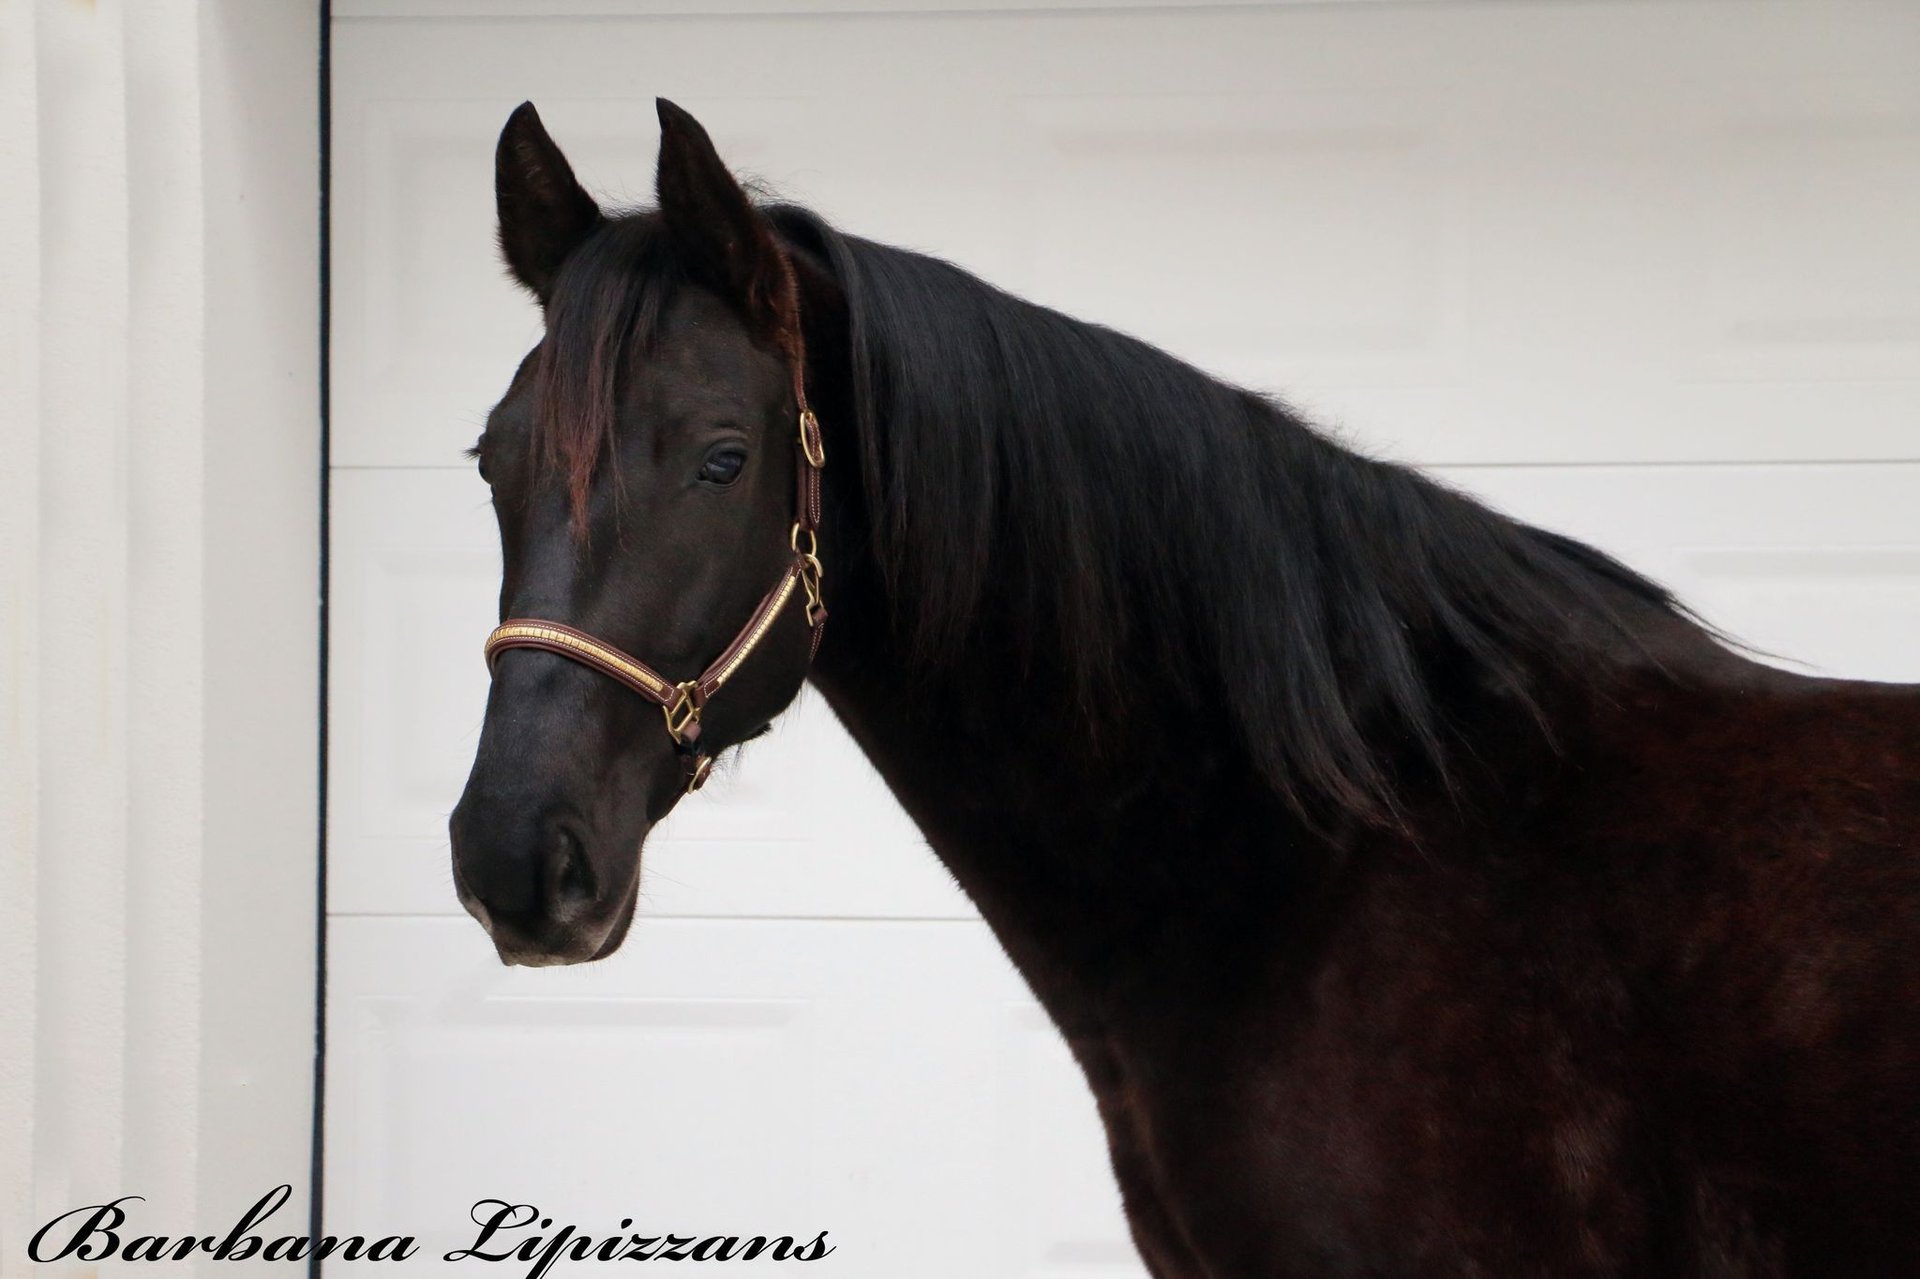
<point>492,868</point>
<point>571,885</point>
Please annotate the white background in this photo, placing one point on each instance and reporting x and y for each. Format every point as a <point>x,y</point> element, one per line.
<point>1645,272</point>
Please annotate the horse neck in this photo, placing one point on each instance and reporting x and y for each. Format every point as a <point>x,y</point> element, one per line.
<point>1121,879</point>
<point>1072,860</point>
<point>1085,848</point>
<point>1080,834</point>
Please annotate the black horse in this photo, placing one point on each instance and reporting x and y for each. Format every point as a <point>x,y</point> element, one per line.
<point>1422,893</point>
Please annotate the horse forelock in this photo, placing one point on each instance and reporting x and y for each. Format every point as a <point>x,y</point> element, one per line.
<point>608,307</point>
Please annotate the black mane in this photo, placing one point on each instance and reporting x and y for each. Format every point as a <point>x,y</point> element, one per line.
<point>1146,515</point>
<point>1124,512</point>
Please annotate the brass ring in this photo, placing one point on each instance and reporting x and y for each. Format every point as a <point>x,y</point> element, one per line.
<point>812,446</point>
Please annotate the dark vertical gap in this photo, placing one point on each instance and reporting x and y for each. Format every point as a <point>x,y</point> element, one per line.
<point>317,1164</point>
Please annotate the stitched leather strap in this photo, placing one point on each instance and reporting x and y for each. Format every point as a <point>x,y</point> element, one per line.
<point>557,637</point>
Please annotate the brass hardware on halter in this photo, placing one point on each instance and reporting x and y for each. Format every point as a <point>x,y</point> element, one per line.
<point>812,446</point>
<point>682,712</point>
<point>816,607</point>
<point>811,572</point>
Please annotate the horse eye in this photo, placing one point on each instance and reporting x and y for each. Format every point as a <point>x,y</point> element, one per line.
<point>723,465</point>
<point>481,462</point>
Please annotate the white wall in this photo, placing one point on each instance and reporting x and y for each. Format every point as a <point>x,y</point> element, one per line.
<point>159,535</point>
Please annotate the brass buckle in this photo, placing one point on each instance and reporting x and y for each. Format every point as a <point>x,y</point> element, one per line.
<point>811,571</point>
<point>682,712</point>
<point>810,578</point>
<point>812,446</point>
<point>701,767</point>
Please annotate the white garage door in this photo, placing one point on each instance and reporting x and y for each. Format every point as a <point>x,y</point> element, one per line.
<point>1644,272</point>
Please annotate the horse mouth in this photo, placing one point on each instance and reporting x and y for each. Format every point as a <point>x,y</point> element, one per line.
<point>549,943</point>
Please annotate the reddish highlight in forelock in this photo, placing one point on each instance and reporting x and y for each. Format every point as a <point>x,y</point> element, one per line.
<point>607,309</point>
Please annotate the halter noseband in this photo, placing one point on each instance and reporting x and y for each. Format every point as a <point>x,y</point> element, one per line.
<point>682,702</point>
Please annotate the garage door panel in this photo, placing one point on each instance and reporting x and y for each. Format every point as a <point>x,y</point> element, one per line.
<point>1828,202</point>
<point>878,1081</point>
<point>415,571</point>
<point>1524,263</point>
<point>1817,567</point>
<point>1058,1214</point>
<point>1121,191</point>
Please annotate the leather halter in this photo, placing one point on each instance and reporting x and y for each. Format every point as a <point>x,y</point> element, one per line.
<point>682,702</point>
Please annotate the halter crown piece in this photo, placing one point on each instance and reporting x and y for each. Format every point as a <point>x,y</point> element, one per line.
<point>682,702</point>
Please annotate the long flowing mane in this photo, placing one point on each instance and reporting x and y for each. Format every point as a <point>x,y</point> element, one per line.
<point>1122,512</point>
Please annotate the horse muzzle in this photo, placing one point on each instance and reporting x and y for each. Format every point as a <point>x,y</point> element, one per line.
<point>536,887</point>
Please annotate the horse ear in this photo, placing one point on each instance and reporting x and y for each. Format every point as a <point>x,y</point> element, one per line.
<point>730,244</point>
<point>544,211</point>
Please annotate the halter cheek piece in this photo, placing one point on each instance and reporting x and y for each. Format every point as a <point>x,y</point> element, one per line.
<point>682,702</point>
